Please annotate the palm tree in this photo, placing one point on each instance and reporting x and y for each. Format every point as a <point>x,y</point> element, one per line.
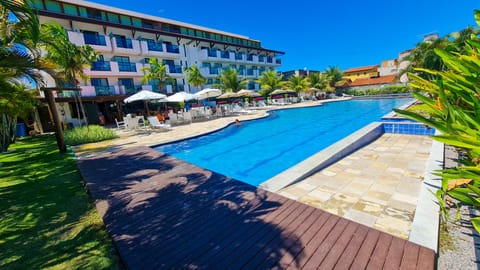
<point>334,75</point>
<point>156,72</point>
<point>70,59</point>
<point>194,76</point>
<point>318,80</point>
<point>298,83</point>
<point>269,81</point>
<point>230,82</point>
<point>19,60</point>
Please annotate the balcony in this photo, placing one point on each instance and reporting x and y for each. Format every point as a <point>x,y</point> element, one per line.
<point>127,67</point>
<point>126,46</point>
<point>250,72</point>
<point>172,48</point>
<point>101,66</point>
<point>239,56</point>
<point>249,57</point>
<point>261,59</point>
<point>212,53</point>
<point>175,69</point>
<point>154,46</point>
<point>66,94</point>
<point>105,90</point>
<point>225,55</point>
<point>98,42</point>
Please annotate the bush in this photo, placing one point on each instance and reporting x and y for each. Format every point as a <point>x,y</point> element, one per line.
<point>89,134</point>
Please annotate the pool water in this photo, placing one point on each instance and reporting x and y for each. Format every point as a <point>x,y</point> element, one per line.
<point>260,149</point>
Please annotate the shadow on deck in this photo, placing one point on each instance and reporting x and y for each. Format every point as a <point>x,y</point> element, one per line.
<point>164,213</point>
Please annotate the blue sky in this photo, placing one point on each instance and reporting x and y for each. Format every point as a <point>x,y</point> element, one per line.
<point>318,34</point>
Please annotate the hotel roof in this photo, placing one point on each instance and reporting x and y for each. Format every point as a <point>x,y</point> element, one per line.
<point>377,80</point>
<point>148,17</point>
<point>357,69</point>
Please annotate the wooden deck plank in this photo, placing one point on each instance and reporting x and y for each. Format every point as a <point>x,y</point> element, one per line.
<point>164,213</point>
<point>348,255</point>
<point>410,256</point>
<point>379,255</point>
<point>395,254</point>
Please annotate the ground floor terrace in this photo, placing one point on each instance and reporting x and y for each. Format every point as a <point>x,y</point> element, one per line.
<point>166,213</point>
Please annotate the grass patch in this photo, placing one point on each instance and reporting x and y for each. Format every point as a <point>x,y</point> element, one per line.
<point>48,220</point>
<point>89,134</point>
<point>446,242</point>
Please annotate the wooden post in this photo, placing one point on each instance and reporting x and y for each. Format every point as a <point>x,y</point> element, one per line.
<point>56,121</point>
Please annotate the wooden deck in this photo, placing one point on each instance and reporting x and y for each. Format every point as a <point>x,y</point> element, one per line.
<point>164,213</point>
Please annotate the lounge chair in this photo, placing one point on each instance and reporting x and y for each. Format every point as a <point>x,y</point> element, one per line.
<point>120,124</point>
<point>155,124</point>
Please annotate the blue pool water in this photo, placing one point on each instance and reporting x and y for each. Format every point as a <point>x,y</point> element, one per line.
<point>261,149</point>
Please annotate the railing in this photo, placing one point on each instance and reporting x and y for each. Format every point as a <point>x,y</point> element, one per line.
<point>101,66</point>
<point>105,90</point>
<point>124,43</point>
<point>225,54</point>
<point>66,94</point>
<point>154,46</point>
<point>212,53</point>
<point>238,56</point>
<point>127,67</point>
<point>172,48</point>
<point>95,40</point>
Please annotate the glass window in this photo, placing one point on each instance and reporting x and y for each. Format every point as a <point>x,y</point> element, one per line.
<point>113,18</point>
<point>83,12</point>
<point>70,9</point>
<point>125,20</point>
<point>38,4</point>
<point>136,22</point>
<point>53,6</point>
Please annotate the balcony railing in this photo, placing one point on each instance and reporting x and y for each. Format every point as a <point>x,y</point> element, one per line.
<point>269,59</point>
<point>94,40</point>
<point>212,53</point>
<point>66,94</point>
<point>175,69</point>
<point>154,46</point>
<point>250,57</point>
<point>225,54</point>
<point>101,66</point>
<point>127,67</point>
<point>172,48</point>
<point>238,56</point>
<point>105,90</point>
<point>261,58</point>
<point>124,43</point>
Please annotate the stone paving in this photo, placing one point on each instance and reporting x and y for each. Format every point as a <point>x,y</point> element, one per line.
<point>377,185</point>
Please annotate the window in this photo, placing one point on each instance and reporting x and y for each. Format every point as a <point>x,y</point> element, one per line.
<point>125,20</point>
<point>95,14</point>
<point>113,18</point>
<point>53,6</point>
<point>38,4</point>
<point>93,38</point>
<point>70,9</point>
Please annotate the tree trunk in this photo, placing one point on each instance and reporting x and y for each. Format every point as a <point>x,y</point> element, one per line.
<point>56,122</point>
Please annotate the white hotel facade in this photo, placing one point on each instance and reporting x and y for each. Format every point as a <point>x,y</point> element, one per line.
<point>126,40</point>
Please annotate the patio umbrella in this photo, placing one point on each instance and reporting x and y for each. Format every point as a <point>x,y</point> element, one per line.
<point>144,95</point>
<point>227,95</point>
<point>208,93</point>
<point>180,97</point>
<point>281,91</point>
<point>247,93</point>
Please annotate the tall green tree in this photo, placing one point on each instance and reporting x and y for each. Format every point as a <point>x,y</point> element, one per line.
<point>156,72</point>
<point>334,75</point>
<point>19,61</point>
<point>230,81</point>
<point>70,60</point>
<point>195,77</point>
<point>318,80</point>
<point>298,83</point>
<point>269,81</point>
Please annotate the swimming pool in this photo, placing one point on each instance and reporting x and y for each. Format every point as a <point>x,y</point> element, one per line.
<point>261,149</point>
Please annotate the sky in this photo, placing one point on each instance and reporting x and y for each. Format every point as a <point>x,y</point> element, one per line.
<point>318,34</point>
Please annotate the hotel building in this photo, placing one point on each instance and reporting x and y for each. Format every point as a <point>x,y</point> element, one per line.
<point>126,40</point>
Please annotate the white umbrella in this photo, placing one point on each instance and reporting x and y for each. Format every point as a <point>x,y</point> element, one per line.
<point>227,95</point>
<point>248,93</point>
<point>144,95</point>
<point>180,97</point>
<point>208,93</point>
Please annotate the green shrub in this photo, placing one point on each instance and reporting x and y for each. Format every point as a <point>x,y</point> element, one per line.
<point>89,134</point>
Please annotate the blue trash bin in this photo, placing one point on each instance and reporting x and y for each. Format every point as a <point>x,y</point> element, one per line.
<point>21,132</point>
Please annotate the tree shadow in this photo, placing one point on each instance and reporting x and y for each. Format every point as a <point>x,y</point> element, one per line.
<point>43,208</point>
<point>164,213</point>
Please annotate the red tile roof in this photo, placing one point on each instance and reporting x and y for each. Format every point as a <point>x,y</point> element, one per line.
<point>357,69</point>
<point>372,81</point>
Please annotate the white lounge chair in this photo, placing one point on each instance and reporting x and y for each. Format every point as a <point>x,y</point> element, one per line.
<point>155,124</point>
<point>120,124</point>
